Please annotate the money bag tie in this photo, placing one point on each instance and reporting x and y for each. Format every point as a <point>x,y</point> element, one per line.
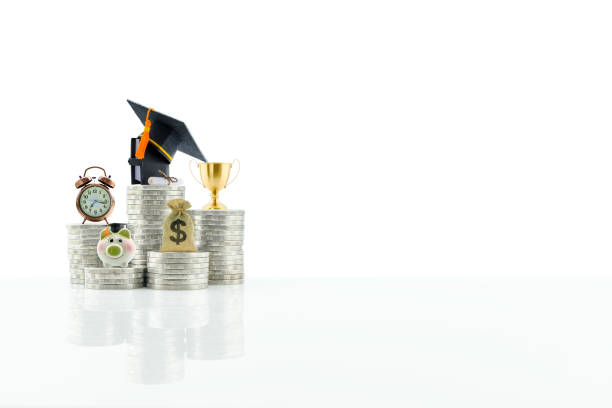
<point>178,228</point>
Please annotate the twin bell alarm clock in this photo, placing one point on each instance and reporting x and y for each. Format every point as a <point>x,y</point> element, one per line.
<point>95,201</point>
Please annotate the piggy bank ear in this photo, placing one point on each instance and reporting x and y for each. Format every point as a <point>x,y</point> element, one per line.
<point>105,233</point>
<point>125,233</point>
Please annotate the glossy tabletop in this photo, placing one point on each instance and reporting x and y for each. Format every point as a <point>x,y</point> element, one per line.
<point>418,342</point>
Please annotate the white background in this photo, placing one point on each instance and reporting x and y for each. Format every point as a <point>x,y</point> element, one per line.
<point>376,137</point>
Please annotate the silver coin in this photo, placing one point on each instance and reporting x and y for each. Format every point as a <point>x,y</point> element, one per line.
<point>87,260</point>
<point>225,281</point>
<point>213,221</point>
<point>85,227</point>
<point>235,239</point>
<point>225,257</point>
<point>110,269</point>
<point>215,215</point>
<point>81,260</point>
<point>146,245</point>
<point>226,261</point>
<point>147,242</point>
<point>148,204</point>
<point>178,255</point>
<point>154,187</point>
<point>199,267</point>
<point>99,276</point>
<point>178,287</point>
<point>145,229</point>
<point>85,264</point>
<point>217,231</point>
<point>81,240</point>
<point>89,250</point>
<point>226,269</point>
<point>234,222</point>
<point>99,272</point>
<point>119,286</point>
<point>225,276</point>
<point>214,272</point>
<point>147,212</point>
<point>151,219</point>
<point>113,281</point>
<point>154,195</point>
<point>147,237</point>
<point>83,248</point>
<point>216,225</point>
<point>155,275</point>
<point>176,274</point>
<point>154,204</point>
<point>200,257</point>
<point>194,281</point>
<point>236,226</point>
<point>220,218</point>
<point>213,251</point>
<point>229,244</point>
<point>218,238</point>
<point>177,266</point>
<point>147,248</point>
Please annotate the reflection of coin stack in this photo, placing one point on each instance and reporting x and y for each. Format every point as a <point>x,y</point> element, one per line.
<point>113,278</point>
<point>91,326</point>
<point>155,356</point>
<point>82,249</point>
<point>177,270</point>
<point>147,210</point>
<point>178,310</point>
<point>223,337</point>
<point>220,233</point>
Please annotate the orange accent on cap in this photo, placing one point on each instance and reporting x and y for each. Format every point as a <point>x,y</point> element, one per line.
<point>144,138</point>
<point>106,231</point>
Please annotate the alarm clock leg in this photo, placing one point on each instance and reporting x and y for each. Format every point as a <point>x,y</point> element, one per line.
<point>84,219</point>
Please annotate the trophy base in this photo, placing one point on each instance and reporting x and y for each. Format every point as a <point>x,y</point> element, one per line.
<point>215,206</point>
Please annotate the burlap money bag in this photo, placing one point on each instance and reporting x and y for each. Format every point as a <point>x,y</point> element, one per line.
<point>177,235</point>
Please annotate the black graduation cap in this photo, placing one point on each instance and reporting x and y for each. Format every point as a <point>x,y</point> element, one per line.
<point>117,226</point>
<point>166,135</point>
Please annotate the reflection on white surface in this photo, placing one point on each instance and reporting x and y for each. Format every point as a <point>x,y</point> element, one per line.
<point>223,337</point>
<point>160,327</point>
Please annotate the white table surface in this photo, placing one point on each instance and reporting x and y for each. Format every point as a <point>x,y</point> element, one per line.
<point>418,342</point>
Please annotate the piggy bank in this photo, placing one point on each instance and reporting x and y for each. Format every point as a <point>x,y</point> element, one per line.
<point>116,248</point>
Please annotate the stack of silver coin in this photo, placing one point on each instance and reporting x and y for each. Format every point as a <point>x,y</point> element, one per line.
<point>82,249</point>
<point>147,208</point>
<point>113,278</point>
<point>177,270</point>
<point>221,233</point>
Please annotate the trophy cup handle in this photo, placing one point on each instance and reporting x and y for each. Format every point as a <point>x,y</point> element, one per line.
<point>191,171</point>
<point>237,172</point>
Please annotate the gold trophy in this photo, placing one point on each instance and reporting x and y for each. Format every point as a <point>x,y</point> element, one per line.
<point>214,177</point>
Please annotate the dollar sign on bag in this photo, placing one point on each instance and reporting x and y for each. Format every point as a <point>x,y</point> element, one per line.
<point>180,234</point>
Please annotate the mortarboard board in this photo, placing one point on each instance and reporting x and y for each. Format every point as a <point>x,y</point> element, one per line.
<point>154,149</point>
<point>117,226</point>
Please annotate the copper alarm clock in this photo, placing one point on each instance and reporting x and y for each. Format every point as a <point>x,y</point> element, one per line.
<point>95,201</point>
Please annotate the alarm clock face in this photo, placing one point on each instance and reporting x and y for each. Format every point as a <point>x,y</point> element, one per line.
<point>95,201</point>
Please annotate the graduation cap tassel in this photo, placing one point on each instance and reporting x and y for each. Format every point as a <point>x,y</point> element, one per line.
<point>144,139</point>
